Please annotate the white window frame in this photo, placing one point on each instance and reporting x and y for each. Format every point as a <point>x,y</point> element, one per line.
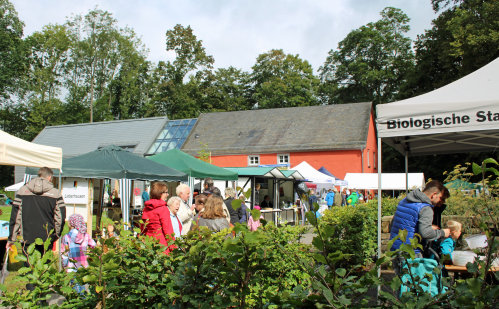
<point>279,158</point>
<point>251,160</point>
<point>374,159</point>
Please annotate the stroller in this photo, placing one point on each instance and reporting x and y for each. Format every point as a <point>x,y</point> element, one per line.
<point>422,271</point>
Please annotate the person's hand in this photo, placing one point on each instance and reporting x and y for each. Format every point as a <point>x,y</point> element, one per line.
<point>435,227</point>
<point>447,232</point>
<point>8,245</point>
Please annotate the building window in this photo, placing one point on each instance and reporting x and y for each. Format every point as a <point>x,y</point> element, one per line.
<point>253,160</point>
<point>283,159</point>
<point>368,159</point>
<point>374,159</point>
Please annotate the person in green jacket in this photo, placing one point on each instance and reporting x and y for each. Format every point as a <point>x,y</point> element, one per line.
<point>353,198</point>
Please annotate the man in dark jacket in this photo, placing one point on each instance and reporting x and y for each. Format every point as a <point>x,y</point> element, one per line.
<point>415,214</point>
<point>38,209</point>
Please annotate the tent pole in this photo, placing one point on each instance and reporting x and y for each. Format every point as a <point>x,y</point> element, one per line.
<point>379,208</point>
<point>406,173</point>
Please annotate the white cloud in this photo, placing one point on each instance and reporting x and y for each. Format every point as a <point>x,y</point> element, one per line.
<point>235,32</point>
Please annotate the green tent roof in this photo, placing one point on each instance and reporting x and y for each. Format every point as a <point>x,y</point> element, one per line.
<point>293,174</point>
<point>258,171</point>
<point>116,163</point>
<point>192,166</point>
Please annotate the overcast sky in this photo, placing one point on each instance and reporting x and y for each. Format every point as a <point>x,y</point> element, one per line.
<point>235,32</point>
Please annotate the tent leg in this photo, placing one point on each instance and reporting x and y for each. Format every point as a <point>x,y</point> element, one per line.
<point>406,173</point>
<point>379,209</point>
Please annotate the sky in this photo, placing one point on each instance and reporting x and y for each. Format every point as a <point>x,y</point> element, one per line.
<point>235,32</point>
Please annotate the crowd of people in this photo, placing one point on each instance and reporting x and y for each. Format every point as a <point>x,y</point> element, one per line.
<point>167,218</point>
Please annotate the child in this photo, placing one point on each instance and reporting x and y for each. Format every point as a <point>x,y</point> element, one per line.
<point>76,243</point>
<point>253,225</point>
<point>448,245</point>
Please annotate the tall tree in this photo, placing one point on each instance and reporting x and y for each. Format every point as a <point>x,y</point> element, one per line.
<point>183,78</point>
<point>48,51</point>
<point>100,49</point>
<point>283,80</point>
<point>12,61</point>
<point>371,63</point>
<point>464,37</point>
<point>229,91</point>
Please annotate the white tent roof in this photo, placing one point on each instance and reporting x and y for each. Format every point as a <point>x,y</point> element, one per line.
<point>14,187</point>
<point>16,151</point>
<point>461,116</point>
<point>389,181</point>
<point>313,175</point>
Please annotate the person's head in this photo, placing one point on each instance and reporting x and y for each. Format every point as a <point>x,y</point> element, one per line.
<point>213,208</point>
<point>174,204</point>
<point>455,228</point>
<point>45,173</point>
<point>257,186</point>
<point>159,191</point>
<point>230,192</point>
<point>208,183</point>
<point>183,191</point>
<point>266,198</point>
<point>110,228</point>
<point>76,221</point>
<point>216,192</point>
<point>444,197</point>
<point>434,190</point>
<point>242,198</point>
<point>199,202</point>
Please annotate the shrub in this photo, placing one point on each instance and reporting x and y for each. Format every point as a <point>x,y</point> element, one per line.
<point>354,232</point>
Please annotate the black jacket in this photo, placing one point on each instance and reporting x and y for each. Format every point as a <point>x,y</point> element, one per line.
<point>37,209</point>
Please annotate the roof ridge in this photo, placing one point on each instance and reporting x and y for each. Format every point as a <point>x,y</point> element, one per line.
<point>107,121</point>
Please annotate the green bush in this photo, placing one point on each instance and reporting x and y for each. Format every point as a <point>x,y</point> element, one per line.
<point>354,232</point>
<point>388,204</point>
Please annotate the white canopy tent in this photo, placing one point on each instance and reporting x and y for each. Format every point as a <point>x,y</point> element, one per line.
<point>462,116</point>
<point>16,151</point>
<point>322,180</point>
<point>14,187</point>
<point>389,181</point>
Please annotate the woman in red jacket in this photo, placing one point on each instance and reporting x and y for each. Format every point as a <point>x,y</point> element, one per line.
<point>156,216</point>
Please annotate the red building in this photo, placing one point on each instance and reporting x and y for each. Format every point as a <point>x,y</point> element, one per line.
<point>341,137</point>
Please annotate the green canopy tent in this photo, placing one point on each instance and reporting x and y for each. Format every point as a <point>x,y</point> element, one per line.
<point>112,162</point>
<point>192,166</point>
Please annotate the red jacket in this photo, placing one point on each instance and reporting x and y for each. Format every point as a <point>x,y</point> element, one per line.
<point>157,222</point>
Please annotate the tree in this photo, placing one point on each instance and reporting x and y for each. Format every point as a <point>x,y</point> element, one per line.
<point>12,61</point>
<point>228,91</point>
<point>464,37</point>
<point>183,80</point>
<point>283,80</point>
<point>371,63</point>
<point>100,50</point>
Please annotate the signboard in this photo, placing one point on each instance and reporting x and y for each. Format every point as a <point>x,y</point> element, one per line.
<point>75,191</point>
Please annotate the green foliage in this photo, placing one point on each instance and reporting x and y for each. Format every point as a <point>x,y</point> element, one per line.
<point>352,231</point>
<point>388,204</point>
<point>371,63</point>
<point>282,80</point>
<point>12,61</point>
<point>464,37</point>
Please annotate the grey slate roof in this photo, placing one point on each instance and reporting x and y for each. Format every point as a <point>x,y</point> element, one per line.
<point>310,128</point>
<point>77,139</point>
